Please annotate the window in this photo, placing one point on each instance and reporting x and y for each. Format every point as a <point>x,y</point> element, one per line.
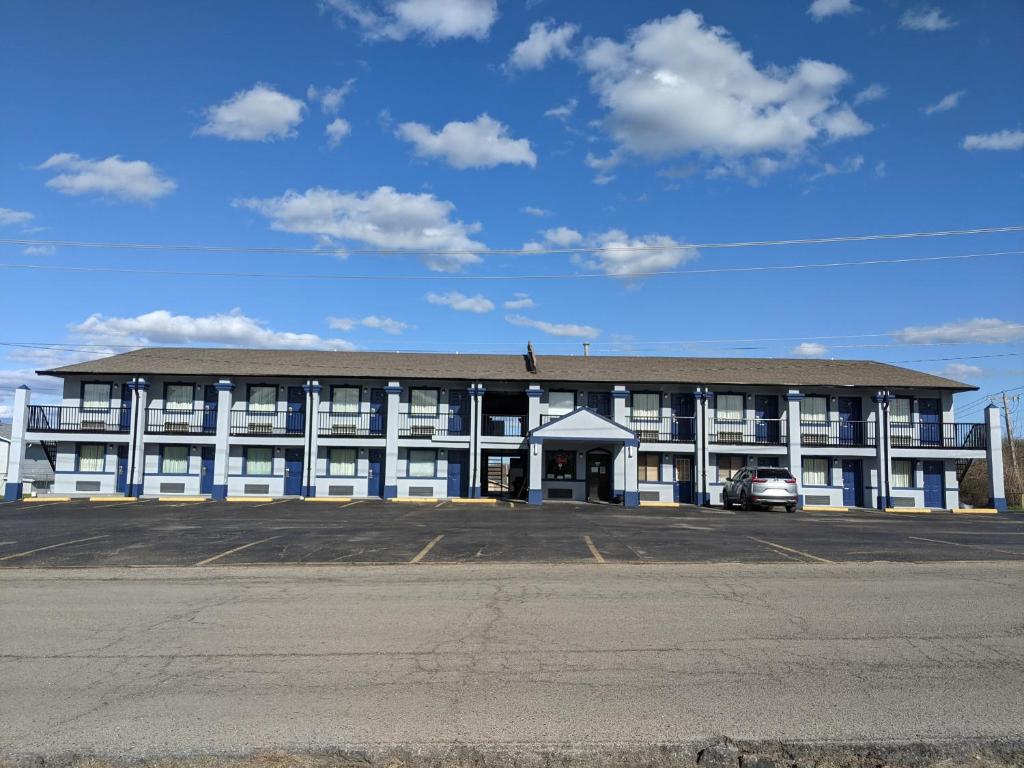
<point>561,403</point>
<point>899,410</point>
<point>259,461</point>
<point>646,405</point>
<point>729,407</point>
<point>814,409</point>
<point>345,399</point>
<point>91,458</point>
<point>728,466</point>
<point>179,397</point>
<point>263,398</point>
<point>815,471</point>
<point>174,460</point>
<point>423,402</point>
<point>560,465</point>
<point>96,395</point>
<point>648,467</point>
<point>422,462</point>
<point>342,462</point>
<point>902,473</point>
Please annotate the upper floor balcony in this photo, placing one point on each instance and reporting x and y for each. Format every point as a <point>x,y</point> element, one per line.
<point>72,418</point>
<point>748,431</point>
<point>664,429</point>
<point>202,421</point>
<point>500,425</point>
<point>352,423</point>
<point>267,423</point>
<point>969,436</point>
<point>427,425</point>
<point>838,434</point>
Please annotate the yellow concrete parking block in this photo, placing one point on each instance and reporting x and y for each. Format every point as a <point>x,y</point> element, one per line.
<point>182,498</point>
<point>46,498</point>
<point>327,499</point>
<point>975,511</point>
<point>112,498</point>
<point>815,508</point>
<point>473,501</point>
<point>908,510</point>
<point>414,500</point>
<point>658,504</point>
<point>249,499</point>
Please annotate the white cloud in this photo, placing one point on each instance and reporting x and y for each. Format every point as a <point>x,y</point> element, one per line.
<point>628,256</point>
<point>880,169</point>
<point>562,236</point>
<point>677,86</point>
<point>926,19</point>
<point>483,143</point>
<point>14,378</point>
<point>545,41</point>
<point>384,218</point>
<point>999,140</point>
<point>946,103</point>
<point>555,329</point>
<point>129,180</point>
<point>874,92</point>
<point>822,9</point>
<point>849,165</point>
<point>521,301</point>
<point>330,98</point>
<point>809,349</point>
<point>434,19</point>
<point>231,329</point>
<point>10,216</point>
<point>386,324</point>
<point>962,371</point>
<point>532,210</point>
<point>259,114</point>
<point>337,130</point>
<point>461,302</point>
<point>40,250</point>
<point>981,330</point>
<point>563,111</point>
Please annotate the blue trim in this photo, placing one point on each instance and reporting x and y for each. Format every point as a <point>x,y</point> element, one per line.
<point>631,499</point>
<point>793,397</point>
<point>220,492</point>
<point>192,400</point>
<point>534,392</point>
<point>474,492</point>
<point>881,398</point>
<point>224,386</point>
<point>134,489</point>
<point>532,440</point>
<point>13,491</point>
<point>1000,504</point>
<point>309,491</point>
<point>137,385</point>
<point>702,499</point>
<point>311,388</point>
<point>536,496</point>
<point>390,491</point>
<point>799,499</point>
<point>478,390</point>
<point>620,394</point>
<point>392,390</point>
<point>635,443</point>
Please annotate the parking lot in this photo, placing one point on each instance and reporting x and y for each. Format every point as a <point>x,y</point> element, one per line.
<point>84,534</point>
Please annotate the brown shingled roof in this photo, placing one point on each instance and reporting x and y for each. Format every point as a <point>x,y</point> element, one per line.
<point>596,368</point>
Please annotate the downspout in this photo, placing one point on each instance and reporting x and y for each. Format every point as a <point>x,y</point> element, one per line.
<point>703,439</point>
<point>886,469</point>
<point>130,480</point>
<point>474,408</point>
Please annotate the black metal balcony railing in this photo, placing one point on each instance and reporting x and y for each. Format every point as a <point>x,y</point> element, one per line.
<point>838,434</point>
<point>68,418</point>
<point>258,423</point>
<point>749,431</point>
<point>664,429</point>
<point>494,425</point>
<point>356,424</point>
<point>432,424</point>
<point>934,435</point>
<point>192,422</point>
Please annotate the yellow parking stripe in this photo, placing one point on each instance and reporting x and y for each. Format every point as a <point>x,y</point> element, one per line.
<point>423,552</point>
<point>483,500</point>
<point>908,510</point>
<point>593,550</point>
<point>414,500</point>
<point>112,498</point>
<point>249,499</point>
<point>825,509</point>
<point>46,498</point>
<point>182,498</point>
<point>974,511</point>
<point>658,504</point>
<point>328,499</point>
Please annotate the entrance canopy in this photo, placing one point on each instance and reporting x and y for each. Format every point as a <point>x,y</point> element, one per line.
<point>583,425</point>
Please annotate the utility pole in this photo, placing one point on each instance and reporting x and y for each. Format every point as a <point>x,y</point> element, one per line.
<point>1013,447</point>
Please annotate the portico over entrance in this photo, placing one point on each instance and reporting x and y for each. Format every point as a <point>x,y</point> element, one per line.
<point>583,456</point>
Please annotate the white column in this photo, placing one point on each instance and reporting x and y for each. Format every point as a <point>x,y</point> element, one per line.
<point>476,411</point>
<point>222,449</point>
<point>620,400</point>
<point>16,457</point>
<point>536,495</point>
<point>631,489</point>
<point>394,393</point>
<point>309,464</point>
<point>533,395</point>
<point>137,438</point>
<point>702,454</point>
<point>794,452</point>
<point>883,460</point>
<point>994,454</point>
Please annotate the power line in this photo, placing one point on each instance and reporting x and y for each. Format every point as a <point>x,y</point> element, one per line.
<point>503,251</point>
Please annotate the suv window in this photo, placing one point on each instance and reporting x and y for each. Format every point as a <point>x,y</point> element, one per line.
<point>773,473</point>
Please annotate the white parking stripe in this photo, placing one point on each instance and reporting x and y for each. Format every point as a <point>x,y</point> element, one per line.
<point>52,546</point>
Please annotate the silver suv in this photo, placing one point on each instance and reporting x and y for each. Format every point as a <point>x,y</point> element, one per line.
<point>760,486</point>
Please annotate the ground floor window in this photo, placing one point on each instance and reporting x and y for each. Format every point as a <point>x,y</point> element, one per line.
<point>341,462</point>
<point>259,461</point>
<point>728,466</point>
<point>902,473</point>
<point>815,471</point>
<point>648,467</point>
<point>91,458</point>
<point>560,465</point>
<point>174,460</point>
<point>422,462</point>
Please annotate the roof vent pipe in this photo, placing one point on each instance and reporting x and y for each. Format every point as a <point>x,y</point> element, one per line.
<point>531,358</point>
<point>586,349</point>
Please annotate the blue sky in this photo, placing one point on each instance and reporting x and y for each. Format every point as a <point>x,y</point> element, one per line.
<point>350,125</point>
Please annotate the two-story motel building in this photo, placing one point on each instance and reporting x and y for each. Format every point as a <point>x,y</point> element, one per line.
<point>235,423</point>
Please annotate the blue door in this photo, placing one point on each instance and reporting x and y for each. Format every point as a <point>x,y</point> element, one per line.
<point>851,426</point>
<point>378,411</point>
<point>930,416</point>
<point>295,419</point>
<point>375,476</point>
<point>766,411</point>
<point>210,409</point>
<point>458,474</point>
<point>682,417</point>
<point>601,403</point>
<point>684,479</point>
<point>125,418</point>
<point>458,412</point>
<point>206,471</point>
<point>292,471</point>
<point>122,469</point>
<point>934,484</point>
<point>853,485</point>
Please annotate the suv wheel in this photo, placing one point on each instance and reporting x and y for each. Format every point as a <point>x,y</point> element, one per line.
<point>726,501</point>
<point>745,503</point>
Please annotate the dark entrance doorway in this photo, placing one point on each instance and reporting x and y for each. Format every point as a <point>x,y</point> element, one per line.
<point>599,475</point>
<point>505,473</point>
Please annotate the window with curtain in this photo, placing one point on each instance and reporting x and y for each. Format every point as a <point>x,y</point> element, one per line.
<point>560,465</point>
<point>345,399</point>
<point>178,397</point>
<point>263,398</point>
<point>342,462</point>
<point>423,402</point>
<point>902,473</point>
<point>91,458</point>
<point>561,403</point>
<point>728,466</point>
<point>96,395</point>
<point>814,409</point>
<point>899,410</point>
<point>646,405</point>
<point>422,462</point>
<point>259,461</point>
<point>648,467</point>
<point>729,407</point>
<point>174,459</point>
<point>815,471</point>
